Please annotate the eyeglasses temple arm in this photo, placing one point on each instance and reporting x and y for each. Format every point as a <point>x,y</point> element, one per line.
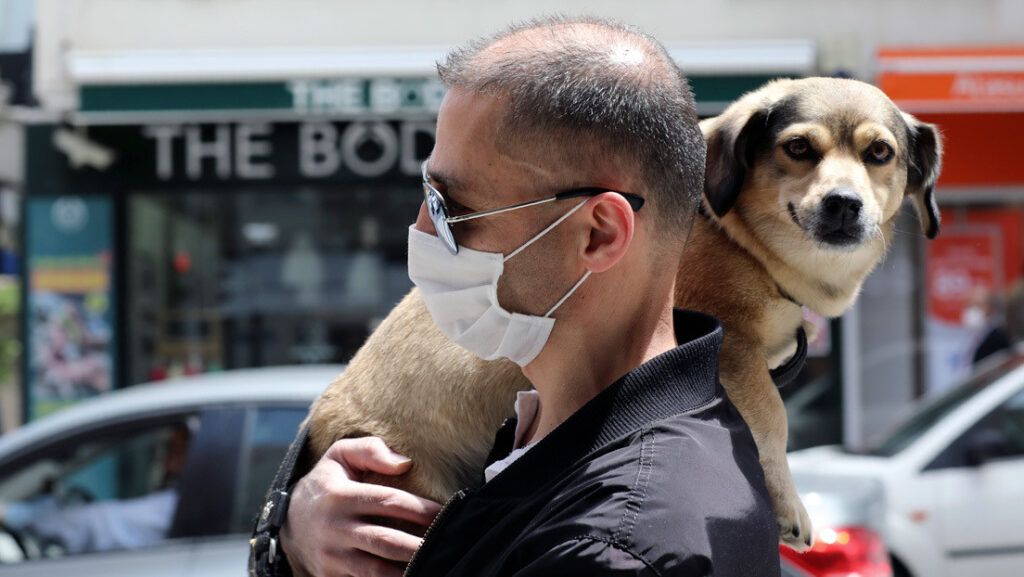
<point>636,202</point>
<point>483,213</point>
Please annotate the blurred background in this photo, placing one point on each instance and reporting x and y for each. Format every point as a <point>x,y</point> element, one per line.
<point>193,187</point>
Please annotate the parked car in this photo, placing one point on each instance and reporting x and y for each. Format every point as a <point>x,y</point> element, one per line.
<point>952,476</point>
<point>109,449</point>
<point>848,516</point>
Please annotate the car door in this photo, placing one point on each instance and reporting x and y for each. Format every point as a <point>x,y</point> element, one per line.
<point>266,433</point>
<point>978,484</point>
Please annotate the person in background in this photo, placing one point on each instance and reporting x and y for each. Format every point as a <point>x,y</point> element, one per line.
<point>986,316</point>
<point>106,525</point>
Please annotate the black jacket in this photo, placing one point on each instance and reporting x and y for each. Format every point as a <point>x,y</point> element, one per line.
<point>657,475</point>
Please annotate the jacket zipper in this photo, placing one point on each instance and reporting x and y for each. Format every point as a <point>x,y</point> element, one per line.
<point>458,496</point>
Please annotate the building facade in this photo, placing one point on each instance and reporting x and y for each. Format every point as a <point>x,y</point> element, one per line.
<point>227,184</point>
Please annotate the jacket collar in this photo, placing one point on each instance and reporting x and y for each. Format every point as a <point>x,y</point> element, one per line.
<point>677,381</point>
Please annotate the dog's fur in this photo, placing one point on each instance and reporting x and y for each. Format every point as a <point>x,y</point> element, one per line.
<point>769,243</point>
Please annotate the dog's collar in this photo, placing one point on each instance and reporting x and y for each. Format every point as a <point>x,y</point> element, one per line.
<point>788,371</point>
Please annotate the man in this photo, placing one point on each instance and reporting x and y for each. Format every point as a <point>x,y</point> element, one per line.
<point>628,460</point>
<point>109,525</point>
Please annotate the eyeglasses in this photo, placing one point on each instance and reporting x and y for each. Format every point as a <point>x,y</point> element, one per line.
<point>438,210</point>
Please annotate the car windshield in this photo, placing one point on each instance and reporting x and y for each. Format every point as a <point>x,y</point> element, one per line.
<point>932,412</point>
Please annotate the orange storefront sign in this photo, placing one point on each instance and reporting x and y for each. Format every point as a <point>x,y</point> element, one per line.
<point>965,80</point>
<point>976,97</point>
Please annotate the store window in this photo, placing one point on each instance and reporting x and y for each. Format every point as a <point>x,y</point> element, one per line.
<point>245,278</point>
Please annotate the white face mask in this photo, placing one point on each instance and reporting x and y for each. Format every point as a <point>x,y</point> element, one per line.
<point>461,293</point>
<point>973,318</point>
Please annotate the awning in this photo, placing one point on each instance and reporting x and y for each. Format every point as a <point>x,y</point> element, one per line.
<point>195,85</point>
<point>954,79</point>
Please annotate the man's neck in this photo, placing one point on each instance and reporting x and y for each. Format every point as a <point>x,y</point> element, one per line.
<point>580,363</point>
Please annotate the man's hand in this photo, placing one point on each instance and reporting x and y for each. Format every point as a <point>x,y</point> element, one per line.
<point>329,531</point>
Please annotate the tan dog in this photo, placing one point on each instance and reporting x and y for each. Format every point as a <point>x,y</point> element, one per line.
<point>804,180</point>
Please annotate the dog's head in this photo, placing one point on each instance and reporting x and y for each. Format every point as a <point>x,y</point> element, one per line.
<point>823,161</point>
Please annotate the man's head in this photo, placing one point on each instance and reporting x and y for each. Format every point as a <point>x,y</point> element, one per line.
<point>583,94</point>
<point>558,104</point>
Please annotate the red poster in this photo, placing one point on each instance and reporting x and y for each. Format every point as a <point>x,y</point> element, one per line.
<point>961,262</point>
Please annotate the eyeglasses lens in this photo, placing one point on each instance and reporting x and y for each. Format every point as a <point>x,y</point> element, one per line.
<point>439,217</point>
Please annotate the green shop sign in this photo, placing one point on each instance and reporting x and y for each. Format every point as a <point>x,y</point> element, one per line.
<point>342,96</point>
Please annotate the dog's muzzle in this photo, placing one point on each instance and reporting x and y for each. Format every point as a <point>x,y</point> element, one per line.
<point>838,221</point>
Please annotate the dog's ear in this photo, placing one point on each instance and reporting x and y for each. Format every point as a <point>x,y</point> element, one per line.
<point>923,166</point>
<point>732,147</point>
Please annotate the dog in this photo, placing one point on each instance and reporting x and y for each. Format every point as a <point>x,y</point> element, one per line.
<point>804,179</point>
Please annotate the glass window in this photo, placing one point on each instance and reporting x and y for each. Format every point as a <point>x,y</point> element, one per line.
<point>1008,421</point>
<point>923,420</point>
<point>247,278</point>
<point>270,432</point>
<point>116,491</point>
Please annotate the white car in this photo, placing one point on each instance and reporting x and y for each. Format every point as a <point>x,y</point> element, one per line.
<point>952,477</point>
<point>111,449</point>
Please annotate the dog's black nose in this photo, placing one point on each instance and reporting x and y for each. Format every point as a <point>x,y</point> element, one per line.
<point>839,217</point>
<point>841,206</point>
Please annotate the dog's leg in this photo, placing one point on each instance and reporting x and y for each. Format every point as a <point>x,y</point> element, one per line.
<point>750,388</point>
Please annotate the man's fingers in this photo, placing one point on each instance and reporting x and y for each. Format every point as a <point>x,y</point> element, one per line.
<point>383,542</point>
<point>368,454</point>
<point>365,499</point>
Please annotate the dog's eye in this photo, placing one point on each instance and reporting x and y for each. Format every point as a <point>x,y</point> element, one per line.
<point>799,149</point>
<point>878,153</point>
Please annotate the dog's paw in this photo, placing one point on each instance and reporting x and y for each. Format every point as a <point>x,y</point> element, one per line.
<point>795,528</point>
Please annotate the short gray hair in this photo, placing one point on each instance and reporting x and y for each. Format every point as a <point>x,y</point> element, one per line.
<point>569,94</point>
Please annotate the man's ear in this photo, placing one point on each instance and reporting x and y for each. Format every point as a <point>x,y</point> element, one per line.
<point>732,146</point>
<point>612,223</point>
<point>924,163</point>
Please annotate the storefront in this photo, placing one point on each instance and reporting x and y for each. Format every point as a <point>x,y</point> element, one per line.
<point>180,222</point>
<point>976,97</point>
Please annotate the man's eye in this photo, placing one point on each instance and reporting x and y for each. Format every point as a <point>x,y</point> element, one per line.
<point>457,208</point>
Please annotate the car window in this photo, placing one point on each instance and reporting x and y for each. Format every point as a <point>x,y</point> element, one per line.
<point>1003,427</point>
<point>103,492</point>
<point>269,432</point>
<point>1008,419</point>
<point>925,418</point>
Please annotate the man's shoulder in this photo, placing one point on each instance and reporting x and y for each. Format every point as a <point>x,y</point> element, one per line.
<point>707,454</point>
<point>675,491</point>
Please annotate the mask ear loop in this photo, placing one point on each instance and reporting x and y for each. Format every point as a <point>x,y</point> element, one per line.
<point>537,236</point>
<point>568,294</point>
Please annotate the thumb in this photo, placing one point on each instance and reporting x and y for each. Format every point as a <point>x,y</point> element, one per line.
<point>369,454</point>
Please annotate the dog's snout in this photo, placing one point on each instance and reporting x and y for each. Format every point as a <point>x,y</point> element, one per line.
<point>842,205</point>
<point>839,217</point>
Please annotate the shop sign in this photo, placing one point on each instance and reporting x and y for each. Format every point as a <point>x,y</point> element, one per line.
<point>380,95</point>
<point>962,263</point>
<point>343,96</point>
<point>307,150</point>
<point>954,80</point>
<point>70,320</point>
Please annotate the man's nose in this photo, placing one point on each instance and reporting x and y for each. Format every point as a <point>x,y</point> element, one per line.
<point>423,222</point>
